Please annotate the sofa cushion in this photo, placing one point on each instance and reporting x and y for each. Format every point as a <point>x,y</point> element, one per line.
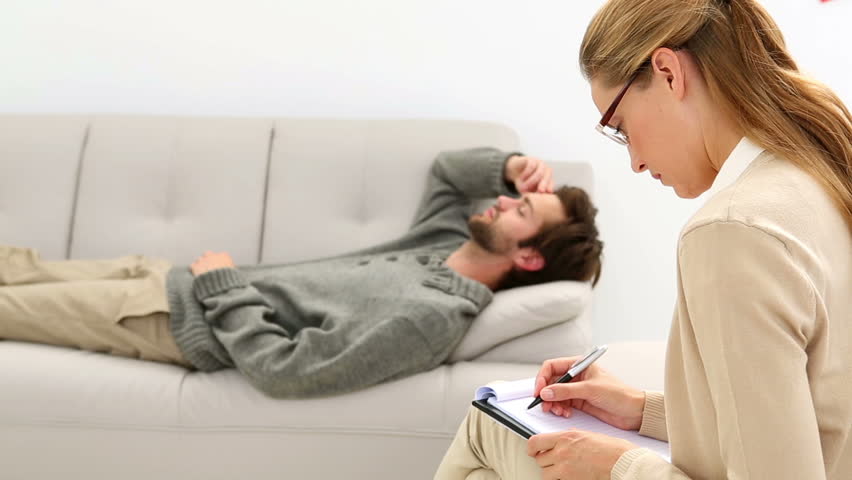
<point>520,311</point>
<point>363,178</point>
<point>172,187</point>
<point>38,180</point>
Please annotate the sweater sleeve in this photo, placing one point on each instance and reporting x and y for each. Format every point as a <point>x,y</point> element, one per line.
<point>644,464</point>
<point>654,417</point>
<point>751,310</point>
<point>461,175</point>
<point>316,361</point>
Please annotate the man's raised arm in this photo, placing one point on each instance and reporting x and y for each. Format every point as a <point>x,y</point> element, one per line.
<point>458,176</point>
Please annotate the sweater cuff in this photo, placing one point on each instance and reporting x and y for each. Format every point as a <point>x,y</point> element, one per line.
<point>622,468</point>
<point>217,281</point>
<point>506,185</point>
<point>654,417</point>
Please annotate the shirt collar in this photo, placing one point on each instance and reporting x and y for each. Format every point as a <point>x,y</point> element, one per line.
<point>449,281</point>
<point>738,161</point>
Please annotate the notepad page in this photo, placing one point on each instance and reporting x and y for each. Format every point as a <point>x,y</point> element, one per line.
<point>507,390</point>
<point>543,422</point>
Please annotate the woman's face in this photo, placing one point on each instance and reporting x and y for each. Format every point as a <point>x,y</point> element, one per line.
<point>661,121</point>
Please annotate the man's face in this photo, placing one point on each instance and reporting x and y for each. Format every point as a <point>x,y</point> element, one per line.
<point>510,221</point>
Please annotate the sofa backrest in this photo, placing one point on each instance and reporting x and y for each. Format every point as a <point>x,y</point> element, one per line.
<point>262,189</point>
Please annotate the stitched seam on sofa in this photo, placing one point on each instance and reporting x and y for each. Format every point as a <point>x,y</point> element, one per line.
<point>365,165</point>
<point>237,429</point>
<point>76,196</point>
<point>265,193</point>
<point>446,380</point>
<point>180,397</point>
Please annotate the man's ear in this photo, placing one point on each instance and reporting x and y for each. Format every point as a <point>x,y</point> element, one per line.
<point>528,259</point>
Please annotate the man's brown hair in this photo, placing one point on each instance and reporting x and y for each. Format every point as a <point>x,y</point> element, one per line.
<point>571,249</point>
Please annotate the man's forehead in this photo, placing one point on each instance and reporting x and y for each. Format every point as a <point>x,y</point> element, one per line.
<point>547,205</point>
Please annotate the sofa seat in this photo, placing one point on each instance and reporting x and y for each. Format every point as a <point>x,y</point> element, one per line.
<point>97,416</point>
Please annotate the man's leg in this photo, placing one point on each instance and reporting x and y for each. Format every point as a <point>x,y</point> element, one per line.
<point>22,266</point>
<point>114,306</point>
<point>154,340</point>
<point>484,449</point>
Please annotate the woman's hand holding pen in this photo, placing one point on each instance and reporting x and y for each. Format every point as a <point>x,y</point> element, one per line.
<point>593,391</point>
<point>577,454</point>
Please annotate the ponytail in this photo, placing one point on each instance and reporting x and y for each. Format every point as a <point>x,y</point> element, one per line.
<point>792,115</point>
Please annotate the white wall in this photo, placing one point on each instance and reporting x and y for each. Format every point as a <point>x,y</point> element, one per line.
<point>512,62</point>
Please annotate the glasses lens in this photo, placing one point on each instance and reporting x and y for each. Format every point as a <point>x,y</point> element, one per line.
<point>613,134</point>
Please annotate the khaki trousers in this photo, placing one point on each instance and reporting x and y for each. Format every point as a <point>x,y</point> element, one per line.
<point>485,450</point>
<point>117,306</point>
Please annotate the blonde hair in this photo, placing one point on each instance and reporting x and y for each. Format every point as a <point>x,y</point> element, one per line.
<point>742,55</point>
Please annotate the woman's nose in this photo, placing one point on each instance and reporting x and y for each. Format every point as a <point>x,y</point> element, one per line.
<point>637,165</point>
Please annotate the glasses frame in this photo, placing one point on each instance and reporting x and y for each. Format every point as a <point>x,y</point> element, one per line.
<point>604,127</point>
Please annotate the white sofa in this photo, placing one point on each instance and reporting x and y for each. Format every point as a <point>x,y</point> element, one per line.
<point>265,190</point>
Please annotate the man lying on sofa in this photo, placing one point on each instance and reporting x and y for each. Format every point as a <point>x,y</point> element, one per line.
<point>325,326</point>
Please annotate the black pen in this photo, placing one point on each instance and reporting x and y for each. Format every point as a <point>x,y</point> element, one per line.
<point>575,370</point>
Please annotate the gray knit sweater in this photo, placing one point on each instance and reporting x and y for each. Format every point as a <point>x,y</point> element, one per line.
<point>340,324</point>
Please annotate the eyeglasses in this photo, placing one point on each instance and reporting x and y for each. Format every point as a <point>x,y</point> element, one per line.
<point>604,127</point>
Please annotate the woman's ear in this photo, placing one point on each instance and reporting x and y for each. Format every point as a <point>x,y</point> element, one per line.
<point>669,68</point>
<point>528,259</point>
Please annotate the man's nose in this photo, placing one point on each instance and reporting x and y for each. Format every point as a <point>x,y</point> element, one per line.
<point>505,203</point>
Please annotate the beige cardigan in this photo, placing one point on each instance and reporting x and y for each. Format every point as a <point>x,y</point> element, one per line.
<point>759,361</point>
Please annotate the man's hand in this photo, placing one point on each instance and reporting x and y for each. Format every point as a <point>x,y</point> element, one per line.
<point>211,261</point>
<point>529,174</point>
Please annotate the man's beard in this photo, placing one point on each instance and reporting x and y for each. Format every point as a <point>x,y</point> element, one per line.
<point>485,235</point>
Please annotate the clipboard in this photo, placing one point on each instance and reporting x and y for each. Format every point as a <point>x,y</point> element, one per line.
<point>507,403</point>
<point>502,418</point>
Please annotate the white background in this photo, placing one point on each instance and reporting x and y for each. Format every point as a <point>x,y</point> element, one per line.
<point>511,62</point>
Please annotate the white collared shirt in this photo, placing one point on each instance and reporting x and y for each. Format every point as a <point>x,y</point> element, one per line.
<point>738,161</point>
